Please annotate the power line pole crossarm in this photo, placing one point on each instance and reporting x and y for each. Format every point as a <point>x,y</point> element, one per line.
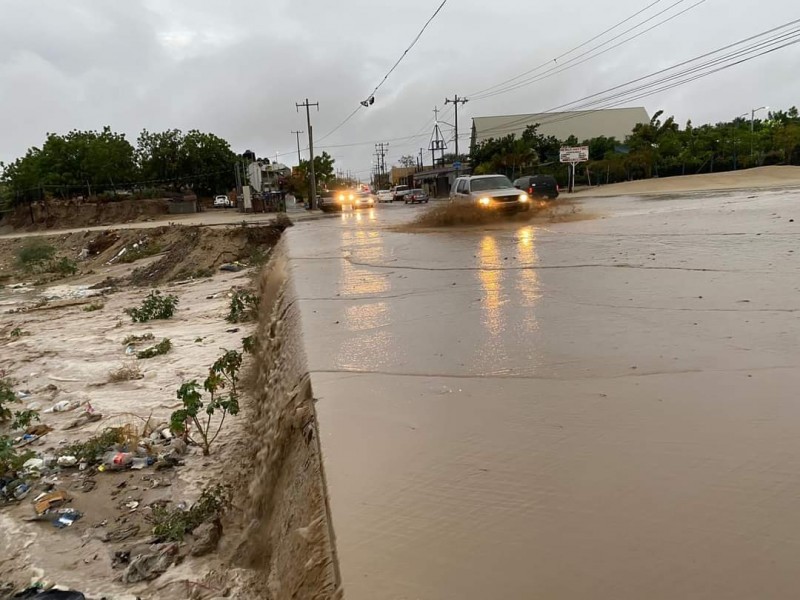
<point>312,203</point>
<point>455,102</point>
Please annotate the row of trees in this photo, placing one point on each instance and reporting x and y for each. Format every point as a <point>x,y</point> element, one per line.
<point>659,148</point>
<point>95,162</point>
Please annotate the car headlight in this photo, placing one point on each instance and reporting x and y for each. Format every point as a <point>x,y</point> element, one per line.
<point>523,198</point>
<point>485,201</point>
<point>341,198</point>
<point>351,196</point>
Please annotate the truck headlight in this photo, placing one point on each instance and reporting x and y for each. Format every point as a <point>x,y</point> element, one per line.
<point>485,201</point>
<point>524,197</point>
<point>341,198</point>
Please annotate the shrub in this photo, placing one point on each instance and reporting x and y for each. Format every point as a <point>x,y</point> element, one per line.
<point>155,306</point>
<point>63,266</point>
<point>10,460</point>
<point>160,348</point>
<point>223,374</point>
<point>91,450</point>
<point>173,524</point>
<point>244,307</point>
<point>34,253</point>
<point>127,372</point>
<point>7,397</point>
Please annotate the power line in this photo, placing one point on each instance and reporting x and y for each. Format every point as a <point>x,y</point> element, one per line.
<point>568,52</point>
<point>687,75</point>
<point>371,97</point>
<point>574,62</point>
<point>407,50</point>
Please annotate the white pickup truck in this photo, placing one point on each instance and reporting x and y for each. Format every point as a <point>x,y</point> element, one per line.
<point>399,192</point>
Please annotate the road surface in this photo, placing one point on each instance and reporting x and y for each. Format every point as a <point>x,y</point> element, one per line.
<point>599,409</point>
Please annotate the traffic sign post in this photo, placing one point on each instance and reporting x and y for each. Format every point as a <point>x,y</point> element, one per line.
<point>572,155</point>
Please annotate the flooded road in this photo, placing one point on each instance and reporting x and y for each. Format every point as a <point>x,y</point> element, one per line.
<point>599,409</point>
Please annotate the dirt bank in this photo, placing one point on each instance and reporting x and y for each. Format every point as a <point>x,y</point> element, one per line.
<point>80,213</point>
<point>759,178</point>
<point>158,254</point>
<point>63,342</point>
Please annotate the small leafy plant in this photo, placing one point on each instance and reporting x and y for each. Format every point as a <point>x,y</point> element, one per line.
<point>20,419</point>
<point>173,524</point>
<point>223,397</point>
<point>92,450</point>
<point>11,461</point>
<point>93,307</point>
<point>155,306</point>
<point>63,266</point>
<point>160,348</point>
<point>132,340</point>
<point>244,307</point>
<point>17,333</point>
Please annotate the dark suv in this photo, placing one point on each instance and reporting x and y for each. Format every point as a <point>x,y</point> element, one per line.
<point>538,186</point>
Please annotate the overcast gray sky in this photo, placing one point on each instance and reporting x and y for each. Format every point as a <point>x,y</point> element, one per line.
<point>236,68</point>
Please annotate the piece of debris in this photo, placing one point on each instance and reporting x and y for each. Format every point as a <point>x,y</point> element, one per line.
<point>50,501</point>
<point>234,267</point>
<point>206,538</point>
<point>144,567</point>
<point>66,517</point>
<point>121,533</point>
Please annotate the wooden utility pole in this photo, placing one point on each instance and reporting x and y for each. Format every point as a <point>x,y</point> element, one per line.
<point>297,135</point>
<point>455,102</point>
<point>312,203</point>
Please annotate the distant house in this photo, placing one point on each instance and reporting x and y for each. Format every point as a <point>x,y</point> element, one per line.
<point>265,176</point>
<point>584,125</point>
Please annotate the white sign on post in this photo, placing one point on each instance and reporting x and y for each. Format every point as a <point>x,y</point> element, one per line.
<point>574,154</point>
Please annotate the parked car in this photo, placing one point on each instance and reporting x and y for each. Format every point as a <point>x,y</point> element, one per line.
<point>538,186</point>
<point>399,191</point>
<point>222,201</point>
<point>492,192</point>
<point>416,196</point>
<point>385,195</point>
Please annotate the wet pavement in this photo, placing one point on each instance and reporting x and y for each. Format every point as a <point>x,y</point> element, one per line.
<point>605,408</point>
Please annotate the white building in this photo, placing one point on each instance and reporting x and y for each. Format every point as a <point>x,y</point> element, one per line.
<point>265,176</point>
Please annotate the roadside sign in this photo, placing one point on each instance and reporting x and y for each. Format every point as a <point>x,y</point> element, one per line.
<point>457,165</point>
<point>574,154</point>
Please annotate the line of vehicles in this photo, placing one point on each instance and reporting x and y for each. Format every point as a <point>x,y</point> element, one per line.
<point>492,192</point>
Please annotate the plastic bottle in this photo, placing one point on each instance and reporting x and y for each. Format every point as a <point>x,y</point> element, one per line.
<point>63,406</point>
<point>114,461</point>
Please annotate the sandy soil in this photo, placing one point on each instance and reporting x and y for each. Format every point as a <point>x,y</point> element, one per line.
<point>758,178</point>
<point>65,353</point>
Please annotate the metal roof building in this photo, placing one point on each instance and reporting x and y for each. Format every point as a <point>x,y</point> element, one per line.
<point>584,125</point>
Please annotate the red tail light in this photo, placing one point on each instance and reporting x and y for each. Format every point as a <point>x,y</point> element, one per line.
<point>530,191</point>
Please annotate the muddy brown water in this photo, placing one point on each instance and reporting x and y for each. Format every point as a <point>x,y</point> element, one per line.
<point>598,409</point>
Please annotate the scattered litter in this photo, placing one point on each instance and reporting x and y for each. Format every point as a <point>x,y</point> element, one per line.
<point>63,406</point>
<point>114,461</point>
<point>50,501</point>
<point>33,464</point>
<point>232,330</point>
<point>139,462</point>
<point>132,505</point>
<point>67,461</point>
<point>66,517</point>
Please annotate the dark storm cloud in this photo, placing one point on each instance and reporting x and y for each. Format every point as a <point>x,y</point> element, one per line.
<point>237,68</point>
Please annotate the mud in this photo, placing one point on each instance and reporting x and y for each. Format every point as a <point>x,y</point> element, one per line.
<point>596,409</point>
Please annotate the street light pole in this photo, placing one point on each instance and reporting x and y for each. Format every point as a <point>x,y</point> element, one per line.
<point>752,127</point>
<point>312,204</point>
<point>297,135</point>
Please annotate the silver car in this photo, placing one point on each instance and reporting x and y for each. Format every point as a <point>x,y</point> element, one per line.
<point>492,192</point>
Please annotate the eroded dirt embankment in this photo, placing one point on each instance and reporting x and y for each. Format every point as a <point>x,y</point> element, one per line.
<point>285,543</point>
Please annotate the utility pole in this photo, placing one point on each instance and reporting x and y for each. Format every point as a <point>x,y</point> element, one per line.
<point>297,135</point>
<point>312,203</point>
<point>455,102</point>
<point>380,153</point>
<point>437,139</point>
